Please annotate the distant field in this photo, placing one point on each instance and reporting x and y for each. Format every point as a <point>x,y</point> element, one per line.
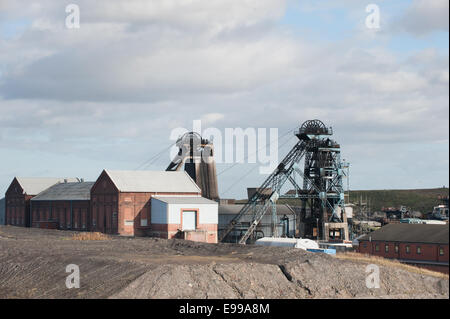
<point>422,200</point>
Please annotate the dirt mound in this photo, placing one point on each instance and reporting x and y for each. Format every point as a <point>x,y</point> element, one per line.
<point>309,279</point>
<point>33,264</point>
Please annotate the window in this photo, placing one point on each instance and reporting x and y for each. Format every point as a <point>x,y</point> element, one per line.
<point>386,248</point>
<point>396,248</point>
<point>377,247</point>
<point>419,250</point>
<point>441,251</point>
<point>407,249</point>
<point>128,222</point>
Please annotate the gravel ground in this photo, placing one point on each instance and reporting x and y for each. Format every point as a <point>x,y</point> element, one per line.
<point>33,264</point>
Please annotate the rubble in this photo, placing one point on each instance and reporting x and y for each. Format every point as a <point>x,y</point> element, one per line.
<point>33,263</point>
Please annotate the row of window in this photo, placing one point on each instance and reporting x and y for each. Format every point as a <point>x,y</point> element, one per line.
<point>407,249</point>
<point>16,221</point>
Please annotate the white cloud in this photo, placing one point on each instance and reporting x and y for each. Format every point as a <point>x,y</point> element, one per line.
<point>104,60</point>
<point>116,87</point>
<point>424,16</point>
<point>211,118</point>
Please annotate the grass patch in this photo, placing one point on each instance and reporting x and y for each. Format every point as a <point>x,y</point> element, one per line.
<point>90,236</point>
<point>422,200</point>
<point>389,263</point>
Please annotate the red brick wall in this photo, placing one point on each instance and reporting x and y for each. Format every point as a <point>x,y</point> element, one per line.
<point>428,252</point>
<point>17,205</point>
<point>67,215</point>
<point>207,232</point>
<point>444,257</point>
<point>134,207</point>
<point>104,206</point>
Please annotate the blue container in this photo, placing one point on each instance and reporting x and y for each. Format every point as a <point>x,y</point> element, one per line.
<point>326,251</point>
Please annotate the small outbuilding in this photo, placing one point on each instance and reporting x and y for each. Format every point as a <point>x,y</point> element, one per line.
<point>193,218</point>
<point>62,206</point>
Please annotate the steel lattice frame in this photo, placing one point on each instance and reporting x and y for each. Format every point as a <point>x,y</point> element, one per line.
<point>322,187</point>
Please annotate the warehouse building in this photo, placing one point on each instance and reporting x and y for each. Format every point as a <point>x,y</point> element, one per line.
<point>62,206</point>
<point>19,194</point>
<point>193,218</point>
<point>2,211</point>
<point>423,245</point>
<point>121,201</point>
<point>286,222</point>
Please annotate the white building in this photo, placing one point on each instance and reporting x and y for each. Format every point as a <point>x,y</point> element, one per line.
<point>195,217</point>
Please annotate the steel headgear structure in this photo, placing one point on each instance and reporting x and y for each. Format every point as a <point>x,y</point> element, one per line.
<point>322,193</point>
<point>197,155</point>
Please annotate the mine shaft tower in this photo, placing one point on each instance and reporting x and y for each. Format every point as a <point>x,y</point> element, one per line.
<point>197,155</point>
<point>321,192</point>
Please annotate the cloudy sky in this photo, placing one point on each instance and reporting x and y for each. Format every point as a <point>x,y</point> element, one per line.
<point>108,94</point>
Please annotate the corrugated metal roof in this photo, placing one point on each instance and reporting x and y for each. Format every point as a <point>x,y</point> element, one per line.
<point>185,200</point>
<point>153,181</point>
<point>66,191</point>
<point>410,233</point>
<point>235,209</point>
<point>35,185</point>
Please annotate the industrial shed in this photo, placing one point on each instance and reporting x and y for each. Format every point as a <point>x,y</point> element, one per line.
<point>62,206</point>
<point>423,245</point>
<point>195,218</point>
<point>286,221</point>
<point>121,200</point>
<point>21,191</point>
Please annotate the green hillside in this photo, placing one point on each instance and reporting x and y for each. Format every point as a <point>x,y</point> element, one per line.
<point>422,200</point>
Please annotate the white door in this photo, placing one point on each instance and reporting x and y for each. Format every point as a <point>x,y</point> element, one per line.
<point>189,220</point>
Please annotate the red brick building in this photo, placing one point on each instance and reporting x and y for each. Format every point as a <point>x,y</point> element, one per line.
<point>62,206</point>
<point>423,245</point>
<point>19,194</point>
<point>121,200</point>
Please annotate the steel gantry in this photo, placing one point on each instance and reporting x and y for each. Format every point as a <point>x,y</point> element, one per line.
<point>322,192</point>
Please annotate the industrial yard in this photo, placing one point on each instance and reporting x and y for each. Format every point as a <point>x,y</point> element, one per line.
<point>33,263</point>
<point>167,234</point>
<point>224,154</point>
